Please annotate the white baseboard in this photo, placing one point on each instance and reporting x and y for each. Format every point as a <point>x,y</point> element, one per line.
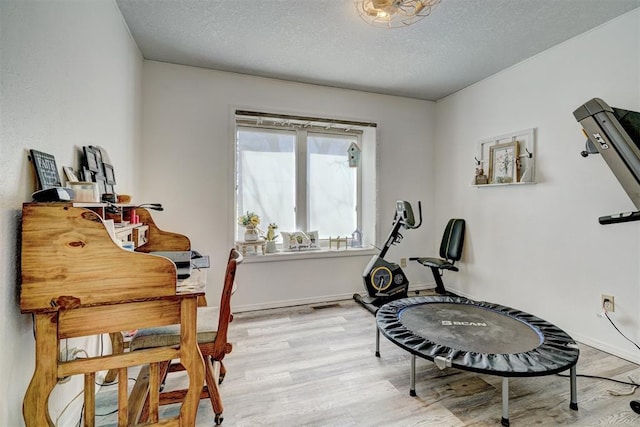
<point>616,351</point>
<point>292,302</point>
<point>314,300</point>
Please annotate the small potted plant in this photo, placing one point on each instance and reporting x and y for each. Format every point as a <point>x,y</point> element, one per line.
<point>271,238</point>
<point>250,222</point>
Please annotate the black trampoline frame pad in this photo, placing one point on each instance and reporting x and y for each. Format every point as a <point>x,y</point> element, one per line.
<point>556,352</point>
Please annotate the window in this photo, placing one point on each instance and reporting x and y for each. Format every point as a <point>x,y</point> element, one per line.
<point>332,186</point>
<point>296,173</point>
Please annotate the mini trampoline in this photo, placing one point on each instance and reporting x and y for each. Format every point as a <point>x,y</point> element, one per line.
<point>480,337</point>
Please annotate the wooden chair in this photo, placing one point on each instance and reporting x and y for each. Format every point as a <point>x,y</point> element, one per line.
<point>212,341</point>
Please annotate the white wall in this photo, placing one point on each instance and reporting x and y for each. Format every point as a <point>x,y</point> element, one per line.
<point>540,248</point>
<point>188,166</point>
<point>69,76</point>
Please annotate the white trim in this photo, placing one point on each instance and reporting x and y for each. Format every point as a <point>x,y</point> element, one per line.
<point>309,254</point>
<point>301,173</point>
<point>232,191</point>
<point>292,302</point>
<point>630,355</point>
<point>310,300</point>
<point>368,226</point>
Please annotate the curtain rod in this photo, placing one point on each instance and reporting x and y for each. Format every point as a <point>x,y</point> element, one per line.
<point>304,118</point>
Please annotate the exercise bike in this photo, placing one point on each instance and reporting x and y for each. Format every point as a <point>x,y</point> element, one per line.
<point>385,281</point>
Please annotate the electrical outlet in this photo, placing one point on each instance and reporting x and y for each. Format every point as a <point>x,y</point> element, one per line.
<point>403,262</point>
<point>608,303</point>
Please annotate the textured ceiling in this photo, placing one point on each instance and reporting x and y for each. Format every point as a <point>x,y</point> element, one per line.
<point>325,42</point>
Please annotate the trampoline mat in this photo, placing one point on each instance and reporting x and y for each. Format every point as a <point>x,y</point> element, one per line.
<point>477,336</point>
<point>470,327</point>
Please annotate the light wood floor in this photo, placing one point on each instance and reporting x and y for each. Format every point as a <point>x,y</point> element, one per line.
<point>307,366</point>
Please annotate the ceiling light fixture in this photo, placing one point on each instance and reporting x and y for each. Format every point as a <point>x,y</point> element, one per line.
<point>394,13</point>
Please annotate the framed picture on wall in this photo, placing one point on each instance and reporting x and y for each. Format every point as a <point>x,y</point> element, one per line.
<point>503,163</point>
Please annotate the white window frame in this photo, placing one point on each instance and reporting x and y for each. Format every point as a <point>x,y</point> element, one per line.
<point>303,126</point>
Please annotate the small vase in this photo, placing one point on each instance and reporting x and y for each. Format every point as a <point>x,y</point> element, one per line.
<point>250,234</point>
<point>271,247</point>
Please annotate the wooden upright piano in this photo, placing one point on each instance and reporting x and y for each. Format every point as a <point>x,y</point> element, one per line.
<point>76,281</point>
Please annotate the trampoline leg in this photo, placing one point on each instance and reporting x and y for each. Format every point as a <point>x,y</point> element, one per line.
<point>505,401</point>
<point>412,390</point>
<point>377,342</point>
<point>574,389</point>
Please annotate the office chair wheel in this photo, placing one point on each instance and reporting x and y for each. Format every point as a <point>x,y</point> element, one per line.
<point>218,419</point>
<point>220,379</point>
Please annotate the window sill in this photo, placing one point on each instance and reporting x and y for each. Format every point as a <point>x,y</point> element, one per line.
<point>251,257</point>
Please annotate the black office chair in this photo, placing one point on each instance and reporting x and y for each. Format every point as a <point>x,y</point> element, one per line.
<point>450,252</point>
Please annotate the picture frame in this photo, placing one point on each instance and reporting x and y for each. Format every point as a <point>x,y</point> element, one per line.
<point>503,163</point>
<point>70,174</point>
<point>46,169</point>
<point>102,184</point>
<point>99,160</point>
<point>87,175</point>
<point>91,159</point>
<point>299,240</point>
<point>109,174</point>
<point>525,159</point>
